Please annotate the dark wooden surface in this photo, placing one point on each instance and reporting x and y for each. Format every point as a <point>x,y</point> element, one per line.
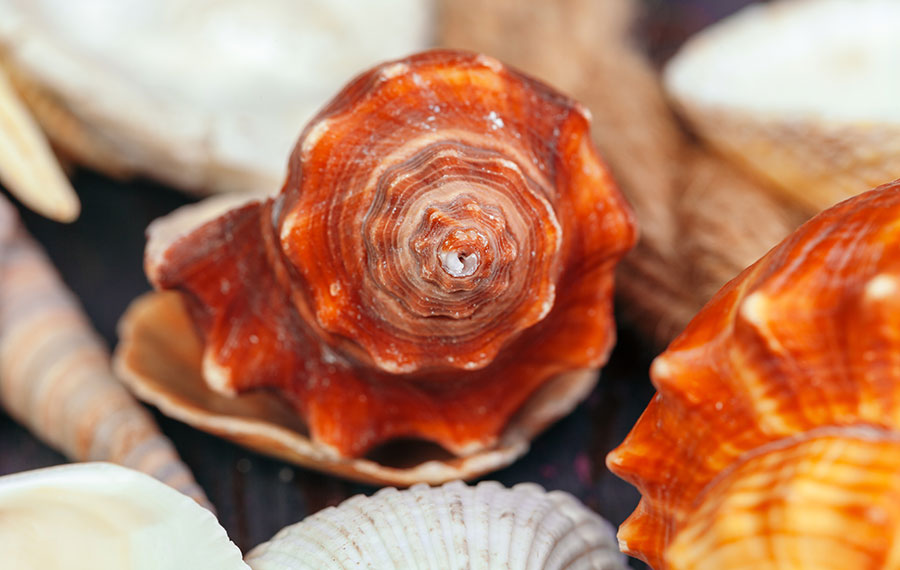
<point>100,257</point>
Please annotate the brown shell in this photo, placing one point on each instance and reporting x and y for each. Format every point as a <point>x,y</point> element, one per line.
<point>442,248</point>
<point>802,347</point>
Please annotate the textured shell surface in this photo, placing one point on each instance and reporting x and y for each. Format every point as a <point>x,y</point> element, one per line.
<point>106,517</point>
<point>55,371</point>
<point>441,252</point>
<point>803,92</point>
<point>206,95</point>
<point>773,439</point>
<point>449,527</point>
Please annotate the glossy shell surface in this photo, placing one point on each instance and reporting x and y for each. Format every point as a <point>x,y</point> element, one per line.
<point>454,526</point>
<point>772,439</point>
<point>442,249</point>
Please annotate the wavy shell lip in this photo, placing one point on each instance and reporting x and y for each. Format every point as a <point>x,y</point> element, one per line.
<point>106,517</point>
<point>204,96</point>
<point>803,93</point>
<point>453,526</point>
<point>159,358</point>
<point>335,293</point>
<point>786,379</point>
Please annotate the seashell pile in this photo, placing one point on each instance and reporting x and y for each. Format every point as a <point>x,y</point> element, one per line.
<point>55,375</point>
<point>487,527</point>
<point>804,93</point>
<point>773,439</point>
<point>437,267</point>
<point>106,517</point>
<point>206,96</point>
<point>101,516</point>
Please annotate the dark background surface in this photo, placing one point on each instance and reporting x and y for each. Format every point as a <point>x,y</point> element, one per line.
<point>100,257</point>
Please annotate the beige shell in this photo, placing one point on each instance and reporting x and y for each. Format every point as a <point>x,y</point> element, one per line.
<point>486,527</point>
<point>207,96</point>
<point>27,165</point>
<point>805,93</point>
<point>55,375</point>
<point>100,516</point>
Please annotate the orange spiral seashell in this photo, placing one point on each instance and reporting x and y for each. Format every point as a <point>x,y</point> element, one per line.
<point>773,441</point>
<point>442,248</point>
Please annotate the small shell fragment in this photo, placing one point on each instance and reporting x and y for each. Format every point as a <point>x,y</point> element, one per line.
<point>100,516</point>
<point>455,526</point>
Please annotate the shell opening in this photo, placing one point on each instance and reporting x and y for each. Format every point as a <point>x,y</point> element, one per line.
<point>459,263</point>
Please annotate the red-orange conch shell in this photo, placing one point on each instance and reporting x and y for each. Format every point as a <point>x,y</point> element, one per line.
<point>774,439</point>
<point>442,250</point>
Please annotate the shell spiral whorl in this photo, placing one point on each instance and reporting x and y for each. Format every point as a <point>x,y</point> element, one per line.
<point>454,205</point>
<point>773,439</point>
<point>443,247</point>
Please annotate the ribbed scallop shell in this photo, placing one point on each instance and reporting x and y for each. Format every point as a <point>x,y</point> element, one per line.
<point>802,92</point>
<point>440,255</point>
<point>802,347</point>
<point>450,527</point>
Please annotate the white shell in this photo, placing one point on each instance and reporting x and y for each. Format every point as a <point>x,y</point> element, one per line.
<point>203,94</point>
<point>804,92</point>
<point>100,516</point>
<point>451,527</point>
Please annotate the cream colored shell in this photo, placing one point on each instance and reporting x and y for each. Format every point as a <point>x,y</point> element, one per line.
<point>805,93</point>
<point>455,526</point>
<point>99,516</point>
<point>27,165</point>
<point>202,94</point>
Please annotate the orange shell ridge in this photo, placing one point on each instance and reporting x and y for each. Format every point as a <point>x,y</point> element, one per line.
<point>773,438</point>
<point>443,246</point>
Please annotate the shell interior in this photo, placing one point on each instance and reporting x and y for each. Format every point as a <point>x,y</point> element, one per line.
<point>159,357</point>
<point>105,517</point>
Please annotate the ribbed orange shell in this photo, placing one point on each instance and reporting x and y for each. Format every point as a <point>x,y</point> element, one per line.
<point>443,246</point>
<point>804,345</point>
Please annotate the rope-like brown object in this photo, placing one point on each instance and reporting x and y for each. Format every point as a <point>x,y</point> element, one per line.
<point>55,375</point>
<point>702,220</point>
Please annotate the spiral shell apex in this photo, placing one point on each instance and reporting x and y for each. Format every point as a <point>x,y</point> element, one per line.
<point>452,526</point>
<point>442,248</point>
<point>773,439</point>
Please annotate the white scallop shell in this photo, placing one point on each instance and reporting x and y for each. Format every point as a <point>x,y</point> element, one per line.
<point>101,516</point>
<point>203,94</point>
<point>454,526</point>
<point>806,93</point>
